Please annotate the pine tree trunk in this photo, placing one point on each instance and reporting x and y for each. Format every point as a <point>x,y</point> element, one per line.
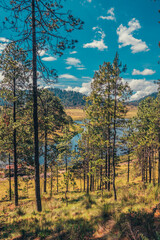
<point>114,142</point>
<point>45,161</point>
<point>15,147</point>
<point>10,189</point>
<point>88,165</point>
<point>106,169</point>
<point>154,160</point>
<point>100,178</point>
<point>146,165</point>
<point>87,176</point>
<point>66,173</point>
<point>108,138</point>
<point>159,163</point>
<point>51,181</point>
<point>57,179</point>
<point>84,176</point>
<point>91,178</point>
<point>150,167</point>
<point>35,115</point>
<point>128,166</point>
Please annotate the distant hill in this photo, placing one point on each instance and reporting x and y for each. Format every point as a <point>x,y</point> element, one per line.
<point>69,98</point>
<point>75,99</point>
<point>136,102</point>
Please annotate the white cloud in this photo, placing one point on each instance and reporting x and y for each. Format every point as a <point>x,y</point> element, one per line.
<point>3,43</point>
<point>85,88</point>
<point>97,43</point>
<point>141,87</point>
<point>67,76</point>
<point>49,59</point>
<point>144,72</point>
<point>111,15</point>
<point>87,77</point>
<point>89,1</point>
<point>69,67</point>
<point>125,37</point>
<point>41,52</point>
<point>81,68</point>
<point>1,76</point>
<point>5,40</point>
<point>73,61</point>
<point>73,52</point>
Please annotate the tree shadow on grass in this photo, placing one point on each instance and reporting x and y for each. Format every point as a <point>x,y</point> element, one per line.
<point>75,200</point>
<point>31,228</point>
<point>139,225</point>
<point>73,229</point>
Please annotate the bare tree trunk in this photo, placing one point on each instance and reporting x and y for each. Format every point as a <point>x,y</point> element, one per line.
<point>15,147</point>
<point>35,115</point>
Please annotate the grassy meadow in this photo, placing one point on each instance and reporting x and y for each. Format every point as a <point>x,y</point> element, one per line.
<point>77,216</point>
<point>78,114</point>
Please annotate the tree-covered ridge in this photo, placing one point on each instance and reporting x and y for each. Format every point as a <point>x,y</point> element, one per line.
<point>69,98</point>
<point>136,102</point>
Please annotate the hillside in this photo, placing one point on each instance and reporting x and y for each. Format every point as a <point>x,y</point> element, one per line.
<point>69,98</point>
<point>136,102</point>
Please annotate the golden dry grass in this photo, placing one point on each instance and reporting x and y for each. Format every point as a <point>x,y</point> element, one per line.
<point>76,113</point>
<point>132,111</point>
<point>79,114</point>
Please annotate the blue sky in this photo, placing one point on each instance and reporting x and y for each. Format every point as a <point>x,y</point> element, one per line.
<point>129,27</point>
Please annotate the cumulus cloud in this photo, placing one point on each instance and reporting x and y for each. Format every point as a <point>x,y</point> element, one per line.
<point>97,43</point>
<point>81,68</point>
<point>41,53</point>
<point>73,61</point>
<point>67,76</point>
<point>125,37</point>
<point>110,15</point>
<point>1,76</point>
<point>5,40</point>
<point>3,43</point>
<point>69,67</point>
<point>141,87</point>
<point>145,72</point>
<point>85,88</point>
<point>49,59</point>
<point>73,52</point>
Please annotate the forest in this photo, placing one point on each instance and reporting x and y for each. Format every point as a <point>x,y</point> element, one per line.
<point>94,175</point>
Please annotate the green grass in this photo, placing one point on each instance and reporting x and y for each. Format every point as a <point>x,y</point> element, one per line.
<point>85,216</point>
